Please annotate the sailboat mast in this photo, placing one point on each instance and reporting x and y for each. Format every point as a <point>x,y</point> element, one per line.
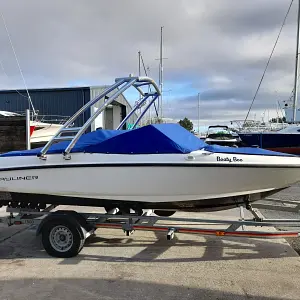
<point>161,71</point>
<point>296,68</point>
<point>140,96</point>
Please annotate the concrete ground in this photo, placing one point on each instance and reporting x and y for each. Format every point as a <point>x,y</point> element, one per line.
<point>147,266</point>
<point>291,194</point>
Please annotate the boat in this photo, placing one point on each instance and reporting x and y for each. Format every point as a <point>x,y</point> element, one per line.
<point>158,166</point>
<point>221,135</point>
<point>40,131</point>
<point>286,140</point>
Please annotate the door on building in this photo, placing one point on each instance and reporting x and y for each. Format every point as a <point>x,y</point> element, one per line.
<point>109,120</point>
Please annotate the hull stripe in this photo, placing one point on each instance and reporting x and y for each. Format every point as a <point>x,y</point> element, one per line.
<point>187,164</point>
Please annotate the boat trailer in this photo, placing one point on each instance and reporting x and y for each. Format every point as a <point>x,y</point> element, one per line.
<point>64,231</point>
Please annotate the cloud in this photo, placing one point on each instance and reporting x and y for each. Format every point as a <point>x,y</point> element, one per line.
<point>217,48</point>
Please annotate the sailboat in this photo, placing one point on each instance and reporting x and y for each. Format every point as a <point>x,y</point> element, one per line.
<point>287,139</point>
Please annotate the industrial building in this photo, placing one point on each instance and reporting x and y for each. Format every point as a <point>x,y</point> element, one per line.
<point>55,105</point>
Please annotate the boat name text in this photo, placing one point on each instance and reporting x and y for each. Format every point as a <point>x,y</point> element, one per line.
<point>229,159</point>
<point>18,178</point>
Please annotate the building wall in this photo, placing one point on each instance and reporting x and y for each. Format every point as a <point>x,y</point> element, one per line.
<point>99,122</point>
<point>109,124</point>
<point>12,134</point>
<point>56,103</point>
<point>62,103</point>
<point>116,115</point>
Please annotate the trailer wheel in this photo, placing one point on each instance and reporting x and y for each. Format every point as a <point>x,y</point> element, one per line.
<point>61,238</point>
<point>164,213</point>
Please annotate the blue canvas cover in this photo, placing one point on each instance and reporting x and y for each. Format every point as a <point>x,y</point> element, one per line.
<point>86,140</point>
<point>244,150</point>
<point>151,139</point>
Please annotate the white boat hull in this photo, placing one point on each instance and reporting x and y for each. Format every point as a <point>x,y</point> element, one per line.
<point>43,132</point>
<point>150,180</point>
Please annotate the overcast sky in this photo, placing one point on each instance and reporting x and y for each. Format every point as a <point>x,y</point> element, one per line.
<point>218,48</point>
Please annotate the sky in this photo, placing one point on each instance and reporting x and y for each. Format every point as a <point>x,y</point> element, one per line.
<point>218,48</point>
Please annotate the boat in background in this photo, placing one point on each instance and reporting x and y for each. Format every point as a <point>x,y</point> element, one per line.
<point>286,140</point>
<point>41,133</point>
<point>221,135</point>
<point>256,126</point>
<point>162,167</point>
<point>42,128</point>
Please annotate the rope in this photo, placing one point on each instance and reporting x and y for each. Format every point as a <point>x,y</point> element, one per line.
<point>29,98</point>
<point>8,77</point>
<point>150,87</point>
<point>268,62</point>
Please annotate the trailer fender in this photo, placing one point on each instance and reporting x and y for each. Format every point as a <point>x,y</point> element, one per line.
<point>71,216</point>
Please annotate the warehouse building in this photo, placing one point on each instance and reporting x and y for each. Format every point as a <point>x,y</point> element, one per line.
<point>56,105</point>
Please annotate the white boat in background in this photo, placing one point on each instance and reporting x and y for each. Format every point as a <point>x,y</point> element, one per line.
<point>40,132</point>
<point>221,135</point>
<point>254,126</point>
<point>4,113</point>
<point>162,166</point>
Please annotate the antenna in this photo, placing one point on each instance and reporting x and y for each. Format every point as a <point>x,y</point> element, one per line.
<point>11,44</point>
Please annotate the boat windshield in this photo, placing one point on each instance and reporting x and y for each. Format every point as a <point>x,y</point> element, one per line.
<point>219,130</point>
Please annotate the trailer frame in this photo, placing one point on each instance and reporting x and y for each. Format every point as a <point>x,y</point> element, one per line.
<point>64,231</point>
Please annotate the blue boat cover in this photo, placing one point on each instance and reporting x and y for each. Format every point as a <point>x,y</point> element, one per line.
<point>244,150</point>
<point>150,139</point>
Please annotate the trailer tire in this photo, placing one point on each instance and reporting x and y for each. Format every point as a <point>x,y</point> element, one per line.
<point>62,239</point>
<point>164,213</point>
